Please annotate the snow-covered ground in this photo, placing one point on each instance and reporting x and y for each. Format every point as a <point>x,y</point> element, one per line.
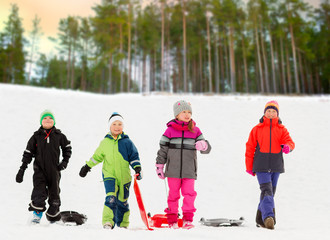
<point>223,187</point>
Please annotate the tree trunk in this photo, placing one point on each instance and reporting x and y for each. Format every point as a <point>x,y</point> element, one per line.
<point>264,54</point>
<point>317,76</point>
<point>246,76</point>
<point>144,74</point>
<point>129,67</point>
<point>277,67</point>
<point>232,60</point>
<point>283,66</point>
<point>110,74</point>
<point>294,60</point>
<point>217,75</point>
<point>262,88</point>
<point>194,77</point>
<point>68,74</point>
<point>222,67</point>
<point>288,69</point>
<point>121,65</point>
<point>31,60</point>
<point>227,62</point>
<point>272,62</point>
<point>162,48</point>
<point>209,53</point>
<point>168,58</point>
<point>184,46</point>
<point>200,68</point>
<point>73,67</point>
<point>303,83</point>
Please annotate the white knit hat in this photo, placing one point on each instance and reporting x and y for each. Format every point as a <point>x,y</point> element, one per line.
<point>115,117</point>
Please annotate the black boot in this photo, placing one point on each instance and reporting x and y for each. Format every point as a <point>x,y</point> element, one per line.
<point>259,221</point>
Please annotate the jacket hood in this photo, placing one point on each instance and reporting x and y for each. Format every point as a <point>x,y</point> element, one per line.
<point>180,125</point>
<point>41,130</point>
<point>266,121</point>
<point>123,135</point>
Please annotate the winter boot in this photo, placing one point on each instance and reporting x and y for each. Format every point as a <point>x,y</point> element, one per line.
<point>173,225</point>
<point>259,221</point>
<point>187,225</point>
<point>108,225</point>
<point>53,213</point>
<point>36,217</point>
<point>269,223</point>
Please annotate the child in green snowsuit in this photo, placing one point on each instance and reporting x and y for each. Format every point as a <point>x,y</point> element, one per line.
<point>117,152</point>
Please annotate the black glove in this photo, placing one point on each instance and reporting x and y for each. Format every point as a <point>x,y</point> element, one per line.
<point>20,174</point>
<point>62,165</point>
<point>138,173</point>
<point>84,170</point>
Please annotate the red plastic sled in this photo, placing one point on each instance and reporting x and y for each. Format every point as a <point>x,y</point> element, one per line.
<point>140,204</point>
<point>160,220</point>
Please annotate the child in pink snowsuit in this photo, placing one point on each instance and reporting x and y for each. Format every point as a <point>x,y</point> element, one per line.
<point>178,147</point>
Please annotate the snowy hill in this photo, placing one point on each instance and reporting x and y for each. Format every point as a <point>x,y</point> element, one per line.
<point>223,187</point>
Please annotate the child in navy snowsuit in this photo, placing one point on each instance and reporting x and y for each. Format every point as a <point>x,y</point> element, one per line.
<point>44,146</point>
<point>263,157</point>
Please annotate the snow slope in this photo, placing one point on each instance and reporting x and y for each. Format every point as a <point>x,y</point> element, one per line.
<point>223,187</point>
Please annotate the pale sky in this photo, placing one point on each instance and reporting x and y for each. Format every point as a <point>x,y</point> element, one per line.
<point>51,11</point>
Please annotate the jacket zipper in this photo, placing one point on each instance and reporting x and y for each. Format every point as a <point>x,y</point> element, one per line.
<point>181,152</point>
<point>270,145</point>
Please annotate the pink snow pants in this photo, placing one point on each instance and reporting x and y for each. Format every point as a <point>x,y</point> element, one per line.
<point>187,186</point>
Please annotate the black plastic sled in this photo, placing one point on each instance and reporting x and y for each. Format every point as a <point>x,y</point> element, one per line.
<point>222,222</point>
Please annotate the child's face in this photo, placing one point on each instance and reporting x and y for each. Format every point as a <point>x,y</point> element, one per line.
<point>184,116</point>
<point>271,113</point>
<point>47,122</point>
<point>116,128</point>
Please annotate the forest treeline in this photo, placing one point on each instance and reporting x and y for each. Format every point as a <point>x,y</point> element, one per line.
<point>199,46</point>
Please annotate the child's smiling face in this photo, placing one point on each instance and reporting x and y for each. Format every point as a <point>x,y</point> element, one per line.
<point>271,113</point>
<point>116,128</point>
<point>47,122</point>
<point>184,116</point>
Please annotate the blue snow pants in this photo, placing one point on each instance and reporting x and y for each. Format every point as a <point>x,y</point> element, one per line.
<point>268,183</point>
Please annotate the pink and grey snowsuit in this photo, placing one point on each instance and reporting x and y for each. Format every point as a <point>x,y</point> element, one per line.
<point>178,152</point>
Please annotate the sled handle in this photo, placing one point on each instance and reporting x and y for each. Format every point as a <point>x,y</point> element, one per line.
<point>136,175</point>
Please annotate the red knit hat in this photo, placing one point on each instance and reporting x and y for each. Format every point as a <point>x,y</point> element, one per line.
<point>273,105</point>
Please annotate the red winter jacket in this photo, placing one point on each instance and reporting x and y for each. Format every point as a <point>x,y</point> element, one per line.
<point>264,147</point>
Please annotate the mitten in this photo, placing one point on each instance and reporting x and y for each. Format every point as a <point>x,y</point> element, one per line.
<point>160,171</point>
<point>138,173</point>
<point>285,149</point>
<point>62,165</point>
<point>250,172</point>
<point>84,170</point>
<point>20,174</point>
<point>201,145</point>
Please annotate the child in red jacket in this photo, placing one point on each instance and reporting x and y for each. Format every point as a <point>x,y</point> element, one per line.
<point>263,157</point>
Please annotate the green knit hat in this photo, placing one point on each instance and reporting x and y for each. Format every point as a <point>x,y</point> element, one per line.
<point>46,113</point>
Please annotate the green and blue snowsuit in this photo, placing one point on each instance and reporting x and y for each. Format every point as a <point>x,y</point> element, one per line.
<point>117,155</point>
